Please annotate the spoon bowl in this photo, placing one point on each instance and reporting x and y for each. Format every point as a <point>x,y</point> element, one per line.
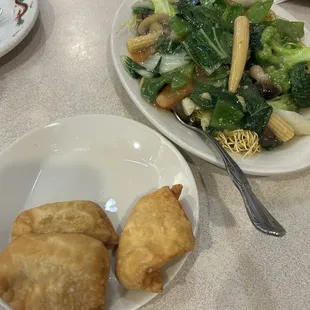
<point>258,214</point>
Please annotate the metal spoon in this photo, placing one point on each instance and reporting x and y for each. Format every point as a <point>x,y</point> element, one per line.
<point>258,214</point>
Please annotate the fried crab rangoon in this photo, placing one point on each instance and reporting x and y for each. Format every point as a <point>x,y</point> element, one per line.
<point>77,216</point>
<point>156,231</point>
<point>54,272</point>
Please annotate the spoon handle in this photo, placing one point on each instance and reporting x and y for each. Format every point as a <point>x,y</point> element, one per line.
<point>258,214</point>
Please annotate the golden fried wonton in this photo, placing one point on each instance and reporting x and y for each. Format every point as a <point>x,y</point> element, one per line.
<point>156,231</point>
<point>78,216</point>
<point>54,272</point>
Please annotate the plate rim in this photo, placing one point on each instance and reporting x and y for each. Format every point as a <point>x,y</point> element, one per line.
<point>194,188</point>
<point>176,139</point>
<point>21,34</point>
<point>117,117</point>
<point>59,121</point>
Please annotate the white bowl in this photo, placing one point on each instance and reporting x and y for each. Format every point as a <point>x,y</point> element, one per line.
<point>292,156</point>
<point>100,158</point>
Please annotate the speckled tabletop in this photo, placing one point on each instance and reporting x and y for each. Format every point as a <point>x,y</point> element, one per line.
<point>64,68</point>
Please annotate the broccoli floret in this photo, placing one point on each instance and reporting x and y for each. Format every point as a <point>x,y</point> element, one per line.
<point>279,76</point>
<point>300,80</point>
<point>277,52</point>
<point>285,102</point>
<point>280,55</point>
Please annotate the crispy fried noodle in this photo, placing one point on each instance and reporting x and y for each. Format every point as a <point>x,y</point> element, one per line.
<point>240,141</point>
<point>130,24</point>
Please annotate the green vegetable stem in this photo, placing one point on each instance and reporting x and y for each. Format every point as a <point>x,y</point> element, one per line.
<point>163,6</point>
<point>258,11</point>
<point>144,7</point>
<point>177,78</point>
<point>180,26</point>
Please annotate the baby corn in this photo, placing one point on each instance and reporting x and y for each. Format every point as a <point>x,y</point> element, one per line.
<point>283,131</point>
<point>142,42</point>
<point>240,51</point>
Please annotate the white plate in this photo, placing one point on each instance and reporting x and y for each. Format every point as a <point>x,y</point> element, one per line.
<point>16,20</point>
<point>95,157</point>
<point>293,156</point>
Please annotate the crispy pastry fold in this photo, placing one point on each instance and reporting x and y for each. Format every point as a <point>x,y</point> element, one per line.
<point>54,272</point>
<point>156,231</point>
<point>84,217</point>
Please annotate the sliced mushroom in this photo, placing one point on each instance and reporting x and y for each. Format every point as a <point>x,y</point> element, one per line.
<point>268,139</point>
<point>268,89</point>
<point>258,74</point>
<point>155,27</point>
<point>144,26</point>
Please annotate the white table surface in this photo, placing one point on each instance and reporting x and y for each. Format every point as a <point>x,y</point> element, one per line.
<point>64,68</point>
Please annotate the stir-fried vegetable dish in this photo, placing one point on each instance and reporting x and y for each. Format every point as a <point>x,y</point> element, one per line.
<point>241,73</point>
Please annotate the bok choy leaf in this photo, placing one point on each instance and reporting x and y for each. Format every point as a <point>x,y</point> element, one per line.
<point>177,78</point>
<point>225,116</point>
<point>180,26</point>
<point>210,48</point>
<point>219,12</point>
<point>223,12</point>
<point>145,7</point>
<point>168,63</point>
<point>134,69</point>
<point>257,12</point>
<point>258,111</point>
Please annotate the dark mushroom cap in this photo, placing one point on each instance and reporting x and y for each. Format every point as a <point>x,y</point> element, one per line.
<point>264,84</point>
